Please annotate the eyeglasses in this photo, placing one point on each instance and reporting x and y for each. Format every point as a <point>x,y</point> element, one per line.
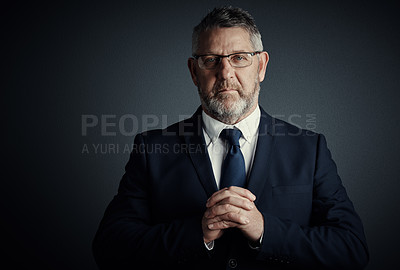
<point>237,60</point>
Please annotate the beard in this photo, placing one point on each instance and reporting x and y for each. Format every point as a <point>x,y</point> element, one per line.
<point>229,107</point>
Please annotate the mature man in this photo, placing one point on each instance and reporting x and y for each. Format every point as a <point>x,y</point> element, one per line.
<point>232,187</point>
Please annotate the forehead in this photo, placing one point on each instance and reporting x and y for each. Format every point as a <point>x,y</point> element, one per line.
<point>224,40</point>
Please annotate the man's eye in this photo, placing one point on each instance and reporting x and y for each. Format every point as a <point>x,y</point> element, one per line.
<point>210,60</point>
<point>238,58</point>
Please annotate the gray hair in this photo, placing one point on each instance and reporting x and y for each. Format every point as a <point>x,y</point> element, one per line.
<point>228,17</point>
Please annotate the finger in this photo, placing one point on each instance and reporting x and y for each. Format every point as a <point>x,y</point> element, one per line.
<point>243,192</point>
<point>227,192</point>
<point>232,217</point>
<point>239,190</point>
<point>218,198</point>
<point>240,202</point>
<point>221,209</point>
<point>224,224</point>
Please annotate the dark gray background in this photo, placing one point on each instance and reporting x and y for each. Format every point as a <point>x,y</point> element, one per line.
<point>336,60</point>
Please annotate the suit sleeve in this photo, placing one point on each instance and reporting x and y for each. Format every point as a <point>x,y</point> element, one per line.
<point>334,238</point>
<point>127,236</point>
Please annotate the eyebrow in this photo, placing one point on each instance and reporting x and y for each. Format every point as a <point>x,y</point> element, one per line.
<point>235,51</point>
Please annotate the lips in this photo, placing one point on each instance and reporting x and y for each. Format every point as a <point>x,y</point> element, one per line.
<point>226,87</point>
<point>227,90</point>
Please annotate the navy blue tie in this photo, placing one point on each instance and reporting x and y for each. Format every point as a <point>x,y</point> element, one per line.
<point>233,168</point>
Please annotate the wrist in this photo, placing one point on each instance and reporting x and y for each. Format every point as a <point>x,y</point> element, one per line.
<point>207,241</point>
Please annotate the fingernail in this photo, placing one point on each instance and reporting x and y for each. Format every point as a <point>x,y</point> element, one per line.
<point>210,226</point>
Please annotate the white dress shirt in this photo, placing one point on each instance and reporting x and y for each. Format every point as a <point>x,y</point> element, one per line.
<point>217,148</point>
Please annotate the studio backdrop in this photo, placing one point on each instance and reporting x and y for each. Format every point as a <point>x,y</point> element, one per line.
<point>82,79</point>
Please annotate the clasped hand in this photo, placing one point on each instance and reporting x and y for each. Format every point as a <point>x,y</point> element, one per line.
<point>232,207</point>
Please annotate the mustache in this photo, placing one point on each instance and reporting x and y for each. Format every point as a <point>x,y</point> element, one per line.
<point>221,85</point>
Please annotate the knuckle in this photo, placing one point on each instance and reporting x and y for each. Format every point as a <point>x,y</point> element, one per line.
<point>248,205</point>
<point>244,220</point>
<point>211,211</point>
<point>231,216</point>
<point>229,199</point>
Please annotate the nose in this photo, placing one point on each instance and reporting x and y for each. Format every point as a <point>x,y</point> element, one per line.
<point>225,70</point>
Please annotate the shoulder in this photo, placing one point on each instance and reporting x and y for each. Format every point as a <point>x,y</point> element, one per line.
<point>280,128</point>
<point>189,127</point>
<point>288,139</point>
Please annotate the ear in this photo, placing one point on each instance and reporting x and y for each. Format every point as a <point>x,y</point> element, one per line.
<point>262,66</point>
<point>192,68</point>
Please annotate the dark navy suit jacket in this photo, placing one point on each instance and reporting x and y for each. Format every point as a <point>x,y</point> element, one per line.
<point>154,221</point>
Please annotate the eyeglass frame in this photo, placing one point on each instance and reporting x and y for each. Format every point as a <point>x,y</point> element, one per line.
<point>195,56</point>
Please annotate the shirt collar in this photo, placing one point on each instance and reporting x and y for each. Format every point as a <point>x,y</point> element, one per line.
<point>248,126</point>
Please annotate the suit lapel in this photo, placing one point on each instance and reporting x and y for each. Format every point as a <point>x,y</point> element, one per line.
<point>198,152</point>
<point>193,135</point>
<point>261,164</point>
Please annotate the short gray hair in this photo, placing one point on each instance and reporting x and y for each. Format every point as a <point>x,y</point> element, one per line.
<point>228,17</point>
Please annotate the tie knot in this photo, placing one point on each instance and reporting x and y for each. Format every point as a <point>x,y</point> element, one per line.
<point>231,135</point>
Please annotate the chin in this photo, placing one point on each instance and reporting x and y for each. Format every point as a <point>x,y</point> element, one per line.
<point>234,110</point>
<point>230,105</point>
<point>229,99</point>
<point>226,107</point>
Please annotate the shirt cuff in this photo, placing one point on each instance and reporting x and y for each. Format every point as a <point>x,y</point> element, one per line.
<point>257,246</point>
<point>210,245</point>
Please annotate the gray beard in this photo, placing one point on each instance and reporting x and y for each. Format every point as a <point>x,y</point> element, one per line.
<point>217,104</point>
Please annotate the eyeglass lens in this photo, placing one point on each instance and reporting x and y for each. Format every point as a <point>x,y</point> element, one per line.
<point>236,60</point>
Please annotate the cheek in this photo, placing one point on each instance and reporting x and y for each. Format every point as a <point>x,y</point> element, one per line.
<point>247,80</point>
<point>206,82</point>
<point>251,78</point>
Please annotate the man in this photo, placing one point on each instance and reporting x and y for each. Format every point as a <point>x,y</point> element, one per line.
<point>230,187</point>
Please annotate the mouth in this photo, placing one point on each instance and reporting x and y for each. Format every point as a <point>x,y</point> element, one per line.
<point>227,90</point>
